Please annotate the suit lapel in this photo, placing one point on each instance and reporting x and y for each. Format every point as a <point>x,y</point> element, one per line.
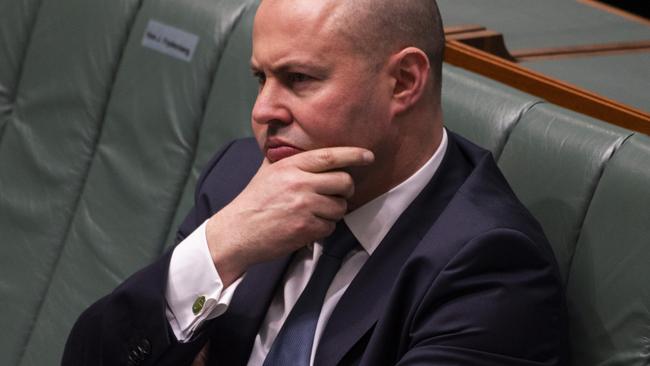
<point>234,332</point>
<point>365,299</point>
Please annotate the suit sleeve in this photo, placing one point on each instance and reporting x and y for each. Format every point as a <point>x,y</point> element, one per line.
<point>498,302</point>
<point>129,326</point>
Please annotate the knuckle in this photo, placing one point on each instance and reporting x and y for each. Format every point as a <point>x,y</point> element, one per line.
<point>301,225</point>
<point>325,157</point>
<point>301,202</point>
<point>294,181</point>
<point>293,184</point>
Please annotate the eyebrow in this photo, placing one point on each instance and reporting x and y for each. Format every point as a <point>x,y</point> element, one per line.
<point>289,65</point>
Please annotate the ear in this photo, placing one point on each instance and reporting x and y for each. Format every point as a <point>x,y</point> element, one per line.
<point>409,70</point>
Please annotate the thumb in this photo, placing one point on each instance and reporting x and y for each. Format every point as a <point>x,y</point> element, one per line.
<point>266,162</point>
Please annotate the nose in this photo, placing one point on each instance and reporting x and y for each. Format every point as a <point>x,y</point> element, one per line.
<point>270,106</point>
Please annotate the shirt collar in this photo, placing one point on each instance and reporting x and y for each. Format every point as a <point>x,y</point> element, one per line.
<point>372,221</point>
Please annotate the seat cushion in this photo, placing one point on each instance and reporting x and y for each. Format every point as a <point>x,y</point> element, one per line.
<point>47,144</point>
<point>100,147</point>
<point>553,160</point>
<point>608,291</point>
<point>481,109</point>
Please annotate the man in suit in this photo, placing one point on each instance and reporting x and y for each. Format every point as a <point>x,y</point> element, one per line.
<point>442,265</point>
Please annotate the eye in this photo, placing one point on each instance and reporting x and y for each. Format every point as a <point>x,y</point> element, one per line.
<point>260,76</point>
<point>296,77</point>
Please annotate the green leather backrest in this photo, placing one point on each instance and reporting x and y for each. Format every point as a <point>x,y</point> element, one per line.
<point>608,290</point>
<point>228,111</point>
<point>46,148</point>
<point>16,18</point>
<point>587,182</point>
<point>100,144</point>
<point>482,110</point>
<point>553,160</point>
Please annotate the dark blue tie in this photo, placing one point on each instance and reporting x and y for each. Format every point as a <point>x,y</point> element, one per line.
<point>293,344</point>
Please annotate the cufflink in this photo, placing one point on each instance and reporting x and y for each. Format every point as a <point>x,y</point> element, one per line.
<point>198,305</point>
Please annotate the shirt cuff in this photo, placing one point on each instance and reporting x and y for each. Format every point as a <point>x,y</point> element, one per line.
<point>194,290</point>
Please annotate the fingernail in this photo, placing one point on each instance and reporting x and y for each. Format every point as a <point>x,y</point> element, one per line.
<point>368,157</point>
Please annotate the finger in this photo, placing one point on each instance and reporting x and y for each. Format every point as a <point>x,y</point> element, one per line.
<point>334,183</point>
<point>330,158</point>
<point>265,163</point>
<point>322,228</point>
<point>331,208</point>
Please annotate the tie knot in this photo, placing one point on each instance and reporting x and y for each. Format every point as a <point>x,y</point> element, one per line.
<point>340,242</point>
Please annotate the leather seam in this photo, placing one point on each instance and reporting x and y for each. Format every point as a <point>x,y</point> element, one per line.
<point>615,148</point>
<point>197,139</point>
<point>13,93</point>
<point>508,132</point>
<point>83,187</point>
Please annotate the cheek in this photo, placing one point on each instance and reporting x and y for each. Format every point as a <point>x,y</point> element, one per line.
<point>368,120</point>
<point>322,118</point>
<point>343,116</point>
<point>341,125</point>
<point>259,131</point>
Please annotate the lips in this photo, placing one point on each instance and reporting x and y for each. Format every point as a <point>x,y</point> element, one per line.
<point>277,150</point>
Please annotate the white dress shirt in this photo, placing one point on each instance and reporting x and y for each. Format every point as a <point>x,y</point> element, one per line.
<point>192,272</point>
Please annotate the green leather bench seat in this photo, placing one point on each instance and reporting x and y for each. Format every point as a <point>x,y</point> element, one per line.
<point>542,24</point>
<point>553,160</point>
<point>624,77</point>
<point>101,147</point>
<point>587,183</point>
<point>101,141</point>
<point>608,290</point>
<point>148,152</point>
<point>46,148</point>
<point>552,157</point>
<point>16,18</point>
<point>467,99</point>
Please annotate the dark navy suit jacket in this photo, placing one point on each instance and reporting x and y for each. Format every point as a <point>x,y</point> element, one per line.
<point>465,277</point>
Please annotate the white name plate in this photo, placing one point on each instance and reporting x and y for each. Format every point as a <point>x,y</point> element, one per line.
<point>170,40</point>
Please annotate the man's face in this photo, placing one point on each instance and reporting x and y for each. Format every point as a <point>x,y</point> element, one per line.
<point>315,91</point>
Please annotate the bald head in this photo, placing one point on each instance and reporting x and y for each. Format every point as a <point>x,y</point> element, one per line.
<point>380,27</point>
<point>318,87</point>
<point>377,28</point>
